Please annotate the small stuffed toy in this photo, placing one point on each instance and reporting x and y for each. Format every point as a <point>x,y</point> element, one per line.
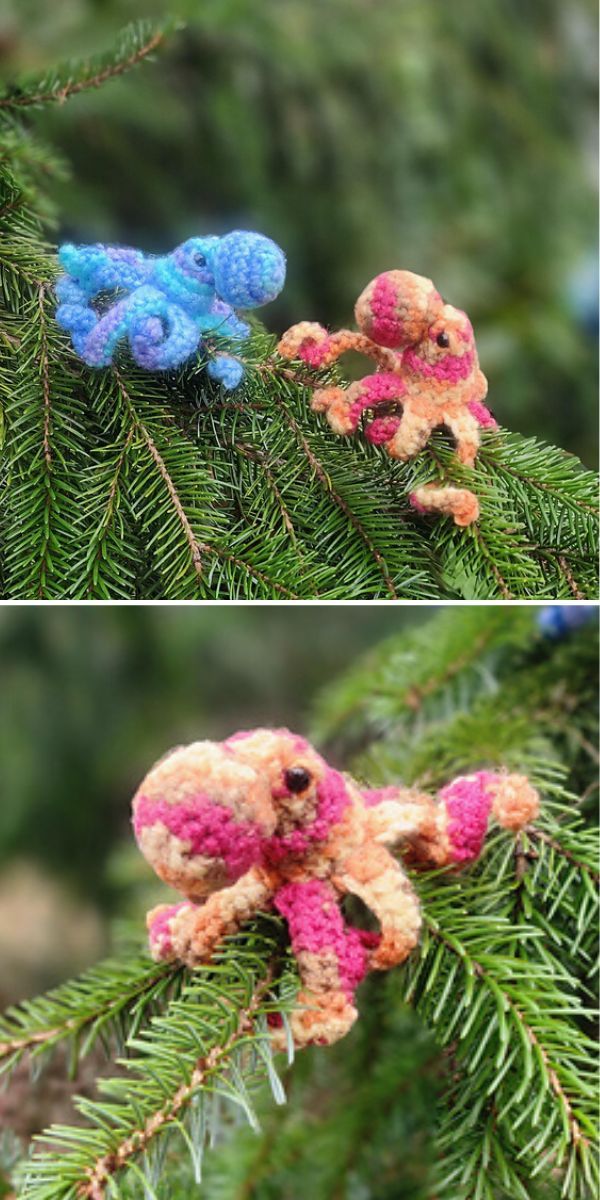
<point>261,821</point>
<point>428,375</point>
<point>166,305</point>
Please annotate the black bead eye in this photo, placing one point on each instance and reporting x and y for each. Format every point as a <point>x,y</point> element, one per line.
<point>199,259</point>
<point>297,779</point>
<point>443,340</point>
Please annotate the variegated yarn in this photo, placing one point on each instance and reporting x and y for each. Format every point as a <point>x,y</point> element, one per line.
<point>165,306</point>
<point>261,821</point>
<point>428,376</point>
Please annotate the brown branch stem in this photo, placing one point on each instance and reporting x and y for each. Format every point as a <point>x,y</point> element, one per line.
<point>341,503</point>
<point>577,1136</point>
<point>82,85</point>
<point>194,545</point>
<point>104,1168</point>
<point>542,836</point>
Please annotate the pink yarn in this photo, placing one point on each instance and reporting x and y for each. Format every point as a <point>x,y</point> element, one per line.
<point>482,414</point>
<point>381,430</point>
<point>374,796</point>
<point>210,829</point>
<point>468,803</point>
<point>316,926</point>
<point>313,353</point>
<point>386,326</point>
<point>332,799</point>
<point>297,743</point>
<point>450,369</point>
<point>378,389</point>
<point>383,386</point>
<point>416,504</point>
<point>160,932</point>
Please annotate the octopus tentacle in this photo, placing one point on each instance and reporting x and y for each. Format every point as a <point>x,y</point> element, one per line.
<point>332,960</point>
<point>381,883</point>
<point>191,933</point>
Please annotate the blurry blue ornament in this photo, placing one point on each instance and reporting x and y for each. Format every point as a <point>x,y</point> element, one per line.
<point>558,620</point>
<point>166,304</point>
<point>582,293</point>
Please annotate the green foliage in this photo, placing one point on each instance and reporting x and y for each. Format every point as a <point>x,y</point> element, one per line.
<point>136,43</point>
<point>90,1007</point>
<point>124,485</point>
<point>210,1045</point>
<point>470,1073</point>
<point>449,139</point>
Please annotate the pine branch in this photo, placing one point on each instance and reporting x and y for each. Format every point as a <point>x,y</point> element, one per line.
<point>93,1005</point>
<point>210,1043</point>
<point>505,973</point>
<point>515,1028</point>
<point>135,43</point>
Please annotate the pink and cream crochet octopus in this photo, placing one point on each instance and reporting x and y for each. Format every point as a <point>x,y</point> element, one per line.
<point>261,821</point>
<point>428,375</point>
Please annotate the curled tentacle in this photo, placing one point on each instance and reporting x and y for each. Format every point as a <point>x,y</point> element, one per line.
<point>74,313</point>
<point>160,334</point>
<point>226,370</point>
<point>459,503</point>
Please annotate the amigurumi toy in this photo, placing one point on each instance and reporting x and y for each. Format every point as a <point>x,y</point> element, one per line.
<point>261,821</point>
<point>166,304</point>
<point>428,376</point>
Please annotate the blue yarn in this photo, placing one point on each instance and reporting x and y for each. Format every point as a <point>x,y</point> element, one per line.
<point>558,620</point>
<point>165,305</point>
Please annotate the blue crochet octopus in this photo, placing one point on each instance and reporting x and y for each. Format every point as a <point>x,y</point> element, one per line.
<point>166,305</point>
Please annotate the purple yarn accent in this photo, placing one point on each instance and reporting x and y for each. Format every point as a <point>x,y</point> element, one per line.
<point>211,830</point>
<point>165,304</point>
<point>468,803</point>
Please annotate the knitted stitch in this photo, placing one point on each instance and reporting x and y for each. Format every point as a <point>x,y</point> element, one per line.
<point>428,376</point>
<point>166,305</point>
<point>261,821</point>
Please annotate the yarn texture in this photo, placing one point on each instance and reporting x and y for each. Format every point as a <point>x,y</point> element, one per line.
<point>428,376</point>
<point>166,305</point>
<point>261,821</point>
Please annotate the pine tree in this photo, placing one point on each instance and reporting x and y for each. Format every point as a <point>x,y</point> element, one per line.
<point>123,484</point>
<point>470,1073</point>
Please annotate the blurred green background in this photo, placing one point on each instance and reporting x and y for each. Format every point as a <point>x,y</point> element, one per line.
<point>456,140</point>
<point>90,698</point>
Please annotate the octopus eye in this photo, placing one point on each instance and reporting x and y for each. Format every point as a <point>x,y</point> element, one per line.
<point>199,259</point>
<point>443,340</point>
<point>297,779</point>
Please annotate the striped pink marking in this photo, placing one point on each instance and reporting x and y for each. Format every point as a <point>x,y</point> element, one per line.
<point>210,830</point>
<point>386,327</point>
<point>449,369</point>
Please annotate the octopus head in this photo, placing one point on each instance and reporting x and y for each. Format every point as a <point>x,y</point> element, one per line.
<point>397,308</point>
<point>243,269</point>
<point>447,352</point>
<point>200,817</point>
<point>249,269</point>
<point>295,774</point>
<point>208,812</point>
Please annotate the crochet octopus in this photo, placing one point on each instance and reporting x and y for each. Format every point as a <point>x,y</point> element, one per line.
<point>428,376</point>
<point>165,305</point>
<point>261,821</point>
